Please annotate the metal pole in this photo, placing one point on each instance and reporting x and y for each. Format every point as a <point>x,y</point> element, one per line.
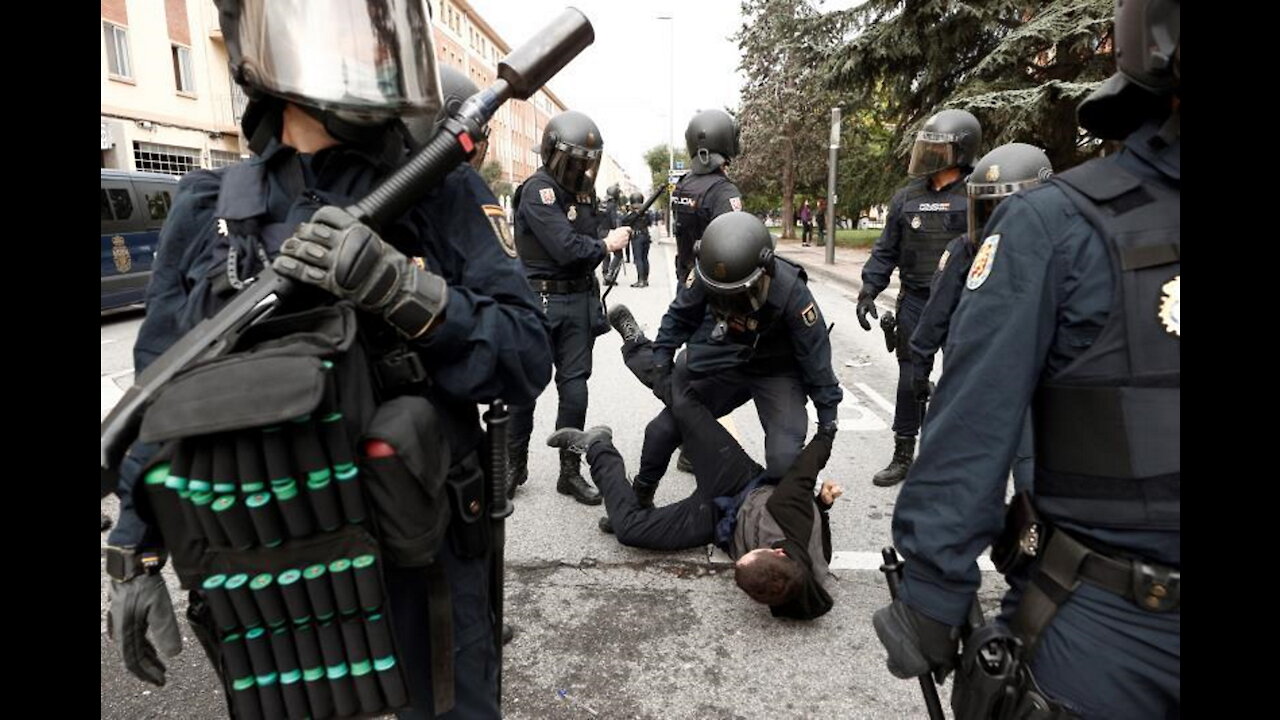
<point>671,111</point>
<point>831,186</point>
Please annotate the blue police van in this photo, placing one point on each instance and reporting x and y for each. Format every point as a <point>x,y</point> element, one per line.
<point>134,206</point>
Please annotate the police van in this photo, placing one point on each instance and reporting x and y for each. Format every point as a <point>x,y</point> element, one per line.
<point>134,206</point>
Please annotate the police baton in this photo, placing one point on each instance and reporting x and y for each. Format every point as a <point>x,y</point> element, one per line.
<point>496,422</point>
<point>892,569</point>
<point>520,75</point>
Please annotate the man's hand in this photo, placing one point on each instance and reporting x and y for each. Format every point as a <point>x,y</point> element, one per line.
<point>922,388</point>
<point>829,492</point>
<point>345,257</point>
<point>139,605</point>
<point>917,644</point>
<point>866,305</point>
<point>617,239</point>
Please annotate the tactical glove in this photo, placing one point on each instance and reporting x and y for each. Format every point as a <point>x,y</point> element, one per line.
<point>345,257</point>
<point>137,606</point>
<point>922,388</point>
<point>917,644</point>
<point>867,305</point>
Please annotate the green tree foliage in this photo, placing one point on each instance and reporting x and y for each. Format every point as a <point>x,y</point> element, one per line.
<point>492,174</point>
<point>1020,66</point>
<point>658,159</point>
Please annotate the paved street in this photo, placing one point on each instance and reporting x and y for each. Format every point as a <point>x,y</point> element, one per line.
<point>611,632</point>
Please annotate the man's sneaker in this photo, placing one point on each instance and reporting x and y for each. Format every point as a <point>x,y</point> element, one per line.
<point>624,322</point>
<point>577,441</point>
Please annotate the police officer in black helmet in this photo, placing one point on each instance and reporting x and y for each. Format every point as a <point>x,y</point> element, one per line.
<point>640,242</point>
<point>325,128</point>
<point>455,88</point>
<point>706,192</point>
<point>612,213</point>
<point>754,332</point>
<point>1071,308</point>
<point>560,253</point>
<point>923,217</point>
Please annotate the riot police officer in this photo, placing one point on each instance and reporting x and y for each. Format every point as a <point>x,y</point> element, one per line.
<point>640,242</point>
<point>323,140</point>
<point>754,332</point>
<point>997,175</point>
<point>706,192</point>
<point>924,216</point>
<point>612,214</point>
<point>1071,308</point>
<point>557,234</point>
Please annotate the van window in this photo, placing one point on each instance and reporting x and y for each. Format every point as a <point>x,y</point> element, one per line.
<point>158,203</point>
<point>121,203</point>
<point>106,206</point>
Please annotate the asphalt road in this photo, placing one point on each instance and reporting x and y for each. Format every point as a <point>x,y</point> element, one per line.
<point>612,632</point>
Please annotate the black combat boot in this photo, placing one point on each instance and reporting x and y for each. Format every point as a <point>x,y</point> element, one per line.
<point>624,322</point>
<point>571,481</point>
<point>517,467</point>
<point>578,441</point>
<point>683,463</point>
<point>904,452</point>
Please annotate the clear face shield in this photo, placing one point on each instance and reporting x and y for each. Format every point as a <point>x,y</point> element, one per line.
<point>932,152</point>
<point>367,60</point>
<point>736,299</point>
<point>575,167</point>
<point>983,200</point>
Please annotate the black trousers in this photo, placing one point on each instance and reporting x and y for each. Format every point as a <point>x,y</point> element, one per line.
<point>720,468</point>
<point>641,244</point>
<point>572,338</point>
<point>906,415</point>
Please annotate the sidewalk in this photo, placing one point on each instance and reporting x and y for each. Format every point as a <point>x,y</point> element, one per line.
<point>847,269</point>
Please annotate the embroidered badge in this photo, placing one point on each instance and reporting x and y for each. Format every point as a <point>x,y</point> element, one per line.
<point>498,221</point>
<point>993,173</point>
<point>809,315</point>
<point>548,196</point>
<point>982,263</point>
<point>422,264</point>
<point>1170,306</point>
<point>120,254</point>
<point>573,213</point>
<point>735,203</point>
<point>915,222</point>
<point>942,261</point>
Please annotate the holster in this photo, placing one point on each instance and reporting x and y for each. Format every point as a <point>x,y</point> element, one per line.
<point>993,682</point>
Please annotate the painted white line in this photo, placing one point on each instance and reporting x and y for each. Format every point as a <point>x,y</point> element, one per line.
<point>861,560</point>
<point>110,340</point>
<point>111,395</point>
<point>852,414</point>
<point>877,398</point>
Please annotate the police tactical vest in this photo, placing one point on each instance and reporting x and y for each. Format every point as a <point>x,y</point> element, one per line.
<point>761,339</point>
<point>692,210</point>
<point>930,221</point>
<point>584,218</point>
<point>1108,426</point>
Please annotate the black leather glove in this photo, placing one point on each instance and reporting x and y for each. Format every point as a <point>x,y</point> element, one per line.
<point>867,305</point>
<point>922,388</point>
<point>345,257</point>
<point>917,644</point>
<point>138,606</point>
<point>662,383</point>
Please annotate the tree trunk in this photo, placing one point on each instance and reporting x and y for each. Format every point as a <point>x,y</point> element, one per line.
<point>788,191</point>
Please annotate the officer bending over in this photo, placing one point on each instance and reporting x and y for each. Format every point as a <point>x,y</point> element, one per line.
<point>1072,309</point>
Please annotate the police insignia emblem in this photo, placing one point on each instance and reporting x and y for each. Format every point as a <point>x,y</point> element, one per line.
<point>915,222</point>
<point>809,315</point>
<point>982,263</point>
<point>573,213</point>
<point>498,221</point>
<point>1169,306</point>
<point>735,203</point>
<point>548,196</point>
<point>993,173</point>
<point>942,261</point>
<point>422,264</point>
<point>120,254</point>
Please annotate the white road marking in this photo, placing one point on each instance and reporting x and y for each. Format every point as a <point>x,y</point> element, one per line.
<point>111,395</point>
<point>876,397</point>
<point>852,415</point>
<point>861,560</point>
<point>109,340</point>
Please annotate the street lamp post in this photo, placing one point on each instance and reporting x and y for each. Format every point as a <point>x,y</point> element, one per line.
<point>830,219</point>
<point>671,107</point>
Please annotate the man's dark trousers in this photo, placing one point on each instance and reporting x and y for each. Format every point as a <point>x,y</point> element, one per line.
<point>906,416</point>
<point>571,340</point>
<point>720,467</point>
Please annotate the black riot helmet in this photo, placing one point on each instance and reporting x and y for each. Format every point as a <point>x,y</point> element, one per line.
<point>571,151</point>
<point>614,192</point>
<point>947,139</point>
<point>999,174</point>
<point>711,139</point>
<point>636,200</point>
<point>355,64</point>
<point>455,88</point>
<point>734,260</point>
<point>1148,69</point>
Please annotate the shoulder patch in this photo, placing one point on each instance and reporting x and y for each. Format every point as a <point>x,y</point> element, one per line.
<point>735,203</point>
<point>982,263</point>
<point>809,315</point>
<point>548,196</point>
<point>498,221</point>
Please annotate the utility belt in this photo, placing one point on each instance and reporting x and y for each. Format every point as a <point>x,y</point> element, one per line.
<point>994,679</point>
<point>284,491</point>
<point>562,287</point>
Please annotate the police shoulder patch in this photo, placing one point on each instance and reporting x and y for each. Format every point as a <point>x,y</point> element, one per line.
<point>735,203</point>
<point>809,315</point>
<point>982,263</point>
<point>498,221</point>
<point>548,196</point>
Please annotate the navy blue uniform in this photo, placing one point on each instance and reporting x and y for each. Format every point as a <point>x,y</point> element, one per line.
<point>640,241</point>
<point>697,200</point>
<point>1046,299</point>
<point>566,250</point>
<point>921,221</point>
<point>492,344</point>
<point>775,356</point>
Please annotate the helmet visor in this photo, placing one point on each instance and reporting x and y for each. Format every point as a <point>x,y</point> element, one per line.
<point>932,152</point>
<point>365,56</point>
<point>983,199</point>
<point>575,167</point>
<point>740,298</point>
